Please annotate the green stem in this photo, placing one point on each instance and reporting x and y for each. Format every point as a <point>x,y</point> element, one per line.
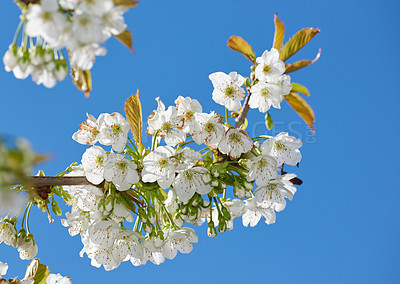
<point>133,144</point>
<point>17,31</point>
<point>154,140</point>
<point>136,223</point>
<point>186,143</point>
<point>27,217</point>
<point>226,117</point>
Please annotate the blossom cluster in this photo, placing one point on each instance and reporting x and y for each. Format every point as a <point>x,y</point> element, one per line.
<point>140,198</point>
<point>51,26</point>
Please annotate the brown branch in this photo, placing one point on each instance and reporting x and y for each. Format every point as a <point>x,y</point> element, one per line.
<point>36,181</point>
<point>242,116</point>
<point>47,182</point>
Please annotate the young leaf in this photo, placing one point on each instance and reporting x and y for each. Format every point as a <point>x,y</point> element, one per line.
<point>133,111</point>
<point>37,271</point>
<point>239,44</point>
<point>300,39</point>
<point>126,38</point>
<point>279,33</point>
<point>301,64</point>
<point>302,108</point>
<point>297,88</point>
<point>127,3</point>
<point>82,79</point>
<point>268,121</point>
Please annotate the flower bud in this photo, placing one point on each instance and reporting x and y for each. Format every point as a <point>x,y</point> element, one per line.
<point>56,209</point>
<point>222,226</point>
<point>142,215</point>
<point>151,214</point>
<point>212,232</point>
<point>226,213</point>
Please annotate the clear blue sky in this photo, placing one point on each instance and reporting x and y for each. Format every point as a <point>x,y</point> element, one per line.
<point>343,224</point>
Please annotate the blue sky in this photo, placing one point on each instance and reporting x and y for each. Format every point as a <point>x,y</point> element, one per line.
<point>341,227</point>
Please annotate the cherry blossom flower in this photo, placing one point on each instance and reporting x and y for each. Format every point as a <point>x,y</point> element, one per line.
<point>186,108</point>
<point>253,214</point>
<point>263,95</point>
<point>127,246</point>
<point>8,234</point>
<point>76,222</point>
<point>207,129</point>
<point>167,124</point>
<point>93,161</point>
<point>159,167</point>
<point>235,143</point>
<point>273,196</point>
<point>262,169</point>
<point>83,55</point>
<point>88,132</point>
<point>284,83</point>
<point>88,28</point>
<point>68,4</point>
<point>179,240</point>
<point>113,20</point>
<point>120,171</point>
<point>114,129</point>
<point>3,269</point>
<point>186,158</point>
<point>28,250</point>
<point>10,59</point>
<point>269,67</point>
<point>228,89</point>
<point>45,20</point>
<point>283,148</point>
<point>190,181</point>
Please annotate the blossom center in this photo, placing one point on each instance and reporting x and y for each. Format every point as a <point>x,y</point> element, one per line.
<point>47,16</point>
<point>189,114</point>
<point>163,162</point>
<point>234,137</point>
<point>266,69</point>
<point>229,92</point>
<point>264,92</point>
<point>99,160</point>
<point>209,127</point>
<point>166,127</point>
<point>279,145</point>
<point>116,129</point>
<point>121,166</point>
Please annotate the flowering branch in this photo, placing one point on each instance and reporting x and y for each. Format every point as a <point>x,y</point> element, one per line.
<point>37,181</point>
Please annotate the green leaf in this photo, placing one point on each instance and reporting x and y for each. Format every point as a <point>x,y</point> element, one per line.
<point>37,271</point>
<point>300,39</point>
<point>82,80</point>
<point>301,64</point>
<point>127,3</point>
<point>279,33</point>
<point>240,45</point>
<point>268,121</point>
<point>302,108</point>
<point>133,111</point>
<point>126,38</point>
<point>297,88</point>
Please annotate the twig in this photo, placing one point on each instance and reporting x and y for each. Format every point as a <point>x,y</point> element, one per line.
<point>242,116</point>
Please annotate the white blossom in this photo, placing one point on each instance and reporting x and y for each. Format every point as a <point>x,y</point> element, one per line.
<point>269,67</point>
<point>159,167</point>
<point>88,132</point>
<point>253,214</point>
<point>207,129</point>
<point>190,181</point>
<point>179,240</point>
<point>262,169</point>
<point>83,55</point>
<point>272,196</point>
<point>263,95</point>
<point>228,89</point>
<point>93,161</point>
<point>114,129</point>
<point>186,108</point>
<point>87,28</point>
<point>235,143</point>
<point>283,148</point>
<point>167,124</point>
<point>45,20</point>
<point>76,222</point>
<point>28,250</point>
<point>122,172</point>
<point>8,233</point>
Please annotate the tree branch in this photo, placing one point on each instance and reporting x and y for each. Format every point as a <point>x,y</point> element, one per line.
<point>242,116</point>
<point>37,181</point>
